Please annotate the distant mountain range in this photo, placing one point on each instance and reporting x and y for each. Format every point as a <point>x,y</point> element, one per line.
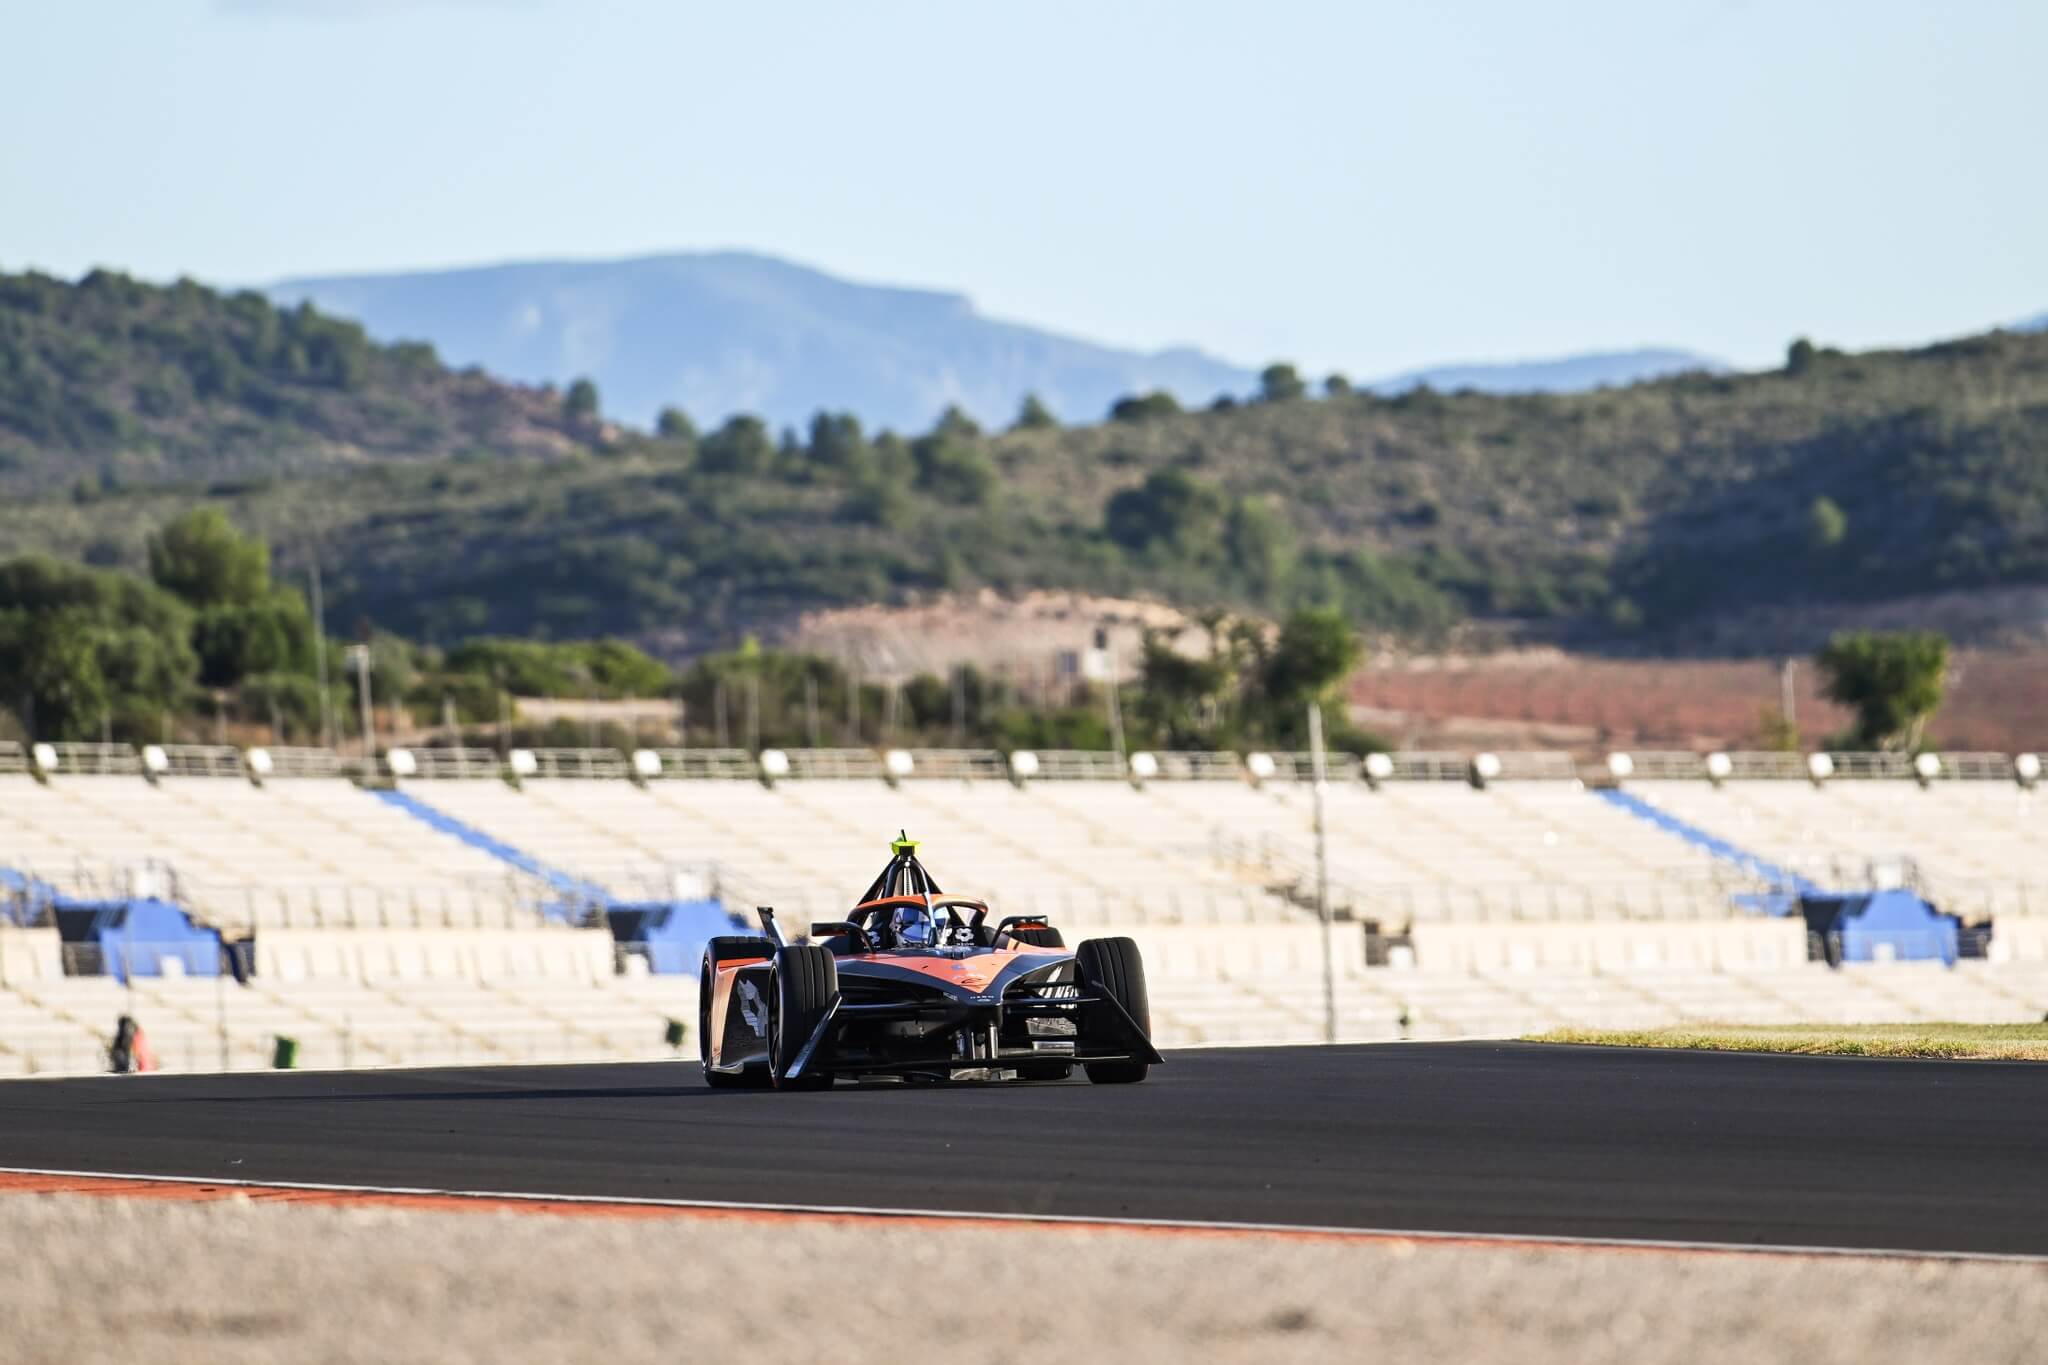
<point>1569,374</point>
<point>716,333</point>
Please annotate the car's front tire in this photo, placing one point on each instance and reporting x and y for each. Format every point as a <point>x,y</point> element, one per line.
<point>806,981</point>
<point>1111,967</point>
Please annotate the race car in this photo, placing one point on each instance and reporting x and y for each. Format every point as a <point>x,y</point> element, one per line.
<point>914,984</point>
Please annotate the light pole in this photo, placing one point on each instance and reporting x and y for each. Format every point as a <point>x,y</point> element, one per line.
<point>320,661</point>
<point>1315,744</point>
<point>359,655</point>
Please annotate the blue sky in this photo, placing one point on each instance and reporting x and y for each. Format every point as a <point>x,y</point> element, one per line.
<point>1364,188</point>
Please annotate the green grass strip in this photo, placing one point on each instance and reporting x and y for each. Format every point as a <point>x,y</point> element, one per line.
<point>1997,1042</point>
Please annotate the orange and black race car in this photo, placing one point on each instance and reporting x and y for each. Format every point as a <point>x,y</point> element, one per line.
<point>916,984</point>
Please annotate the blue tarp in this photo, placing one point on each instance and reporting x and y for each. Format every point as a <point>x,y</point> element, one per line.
<point>1879,926</point>
<point>1749,862</point>
<point>671,934</point>
<point>139,936</point>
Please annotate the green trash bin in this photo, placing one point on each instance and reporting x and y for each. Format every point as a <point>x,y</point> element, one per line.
<point>285,1055</point>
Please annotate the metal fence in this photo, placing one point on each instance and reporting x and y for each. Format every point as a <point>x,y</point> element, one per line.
<point>700,763</point>
<point>202,760</point>
<point>1300,766</point>
<point>1068,765</point>
<point>834,764</point>
<point>590,763</point>
<point>455,764</point>
<point>969,765</point>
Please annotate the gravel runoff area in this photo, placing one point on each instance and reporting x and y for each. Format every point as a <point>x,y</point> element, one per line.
<point>1965,1042</point>
<point>99,1278</point>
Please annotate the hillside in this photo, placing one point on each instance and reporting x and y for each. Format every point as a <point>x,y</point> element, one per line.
<point>1700,512</point>
<point>112,381</point>
<point>716,333</point>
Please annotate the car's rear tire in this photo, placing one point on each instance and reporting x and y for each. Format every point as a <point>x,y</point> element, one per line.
<point>1111,967</point>
<point>724,949</point>
<point>1037,936</point>
<point>806,980</point>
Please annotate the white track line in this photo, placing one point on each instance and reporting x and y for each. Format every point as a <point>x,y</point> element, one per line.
<point>1502,1239</point>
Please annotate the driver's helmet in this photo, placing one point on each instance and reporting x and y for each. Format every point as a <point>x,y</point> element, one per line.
<point>911,927</point>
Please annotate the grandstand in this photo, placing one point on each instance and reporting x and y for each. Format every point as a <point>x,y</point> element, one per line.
<point>453,906</point>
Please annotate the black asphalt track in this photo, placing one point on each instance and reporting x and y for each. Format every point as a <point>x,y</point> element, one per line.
<point>1468,1137</point>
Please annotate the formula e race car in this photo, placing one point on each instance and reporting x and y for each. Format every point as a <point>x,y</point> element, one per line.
<point>914,984</point>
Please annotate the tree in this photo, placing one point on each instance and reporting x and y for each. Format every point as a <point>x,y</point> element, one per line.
<point>1892,680</point>
<point>1145,407</point>
<point>237,642</point>
<point>1034,415</point>
<point>1826,523</point>
<point>1260,545</point>
<point>1316,650</point>
<point>956,424</point>
<point>1172,509</point>
<point>79,646</point>
<point>202,558</point>
<point>579,405</point>
<point>953,470</point>
<point>741,446</point>
<point>673,424</point>
<point>1799,356</point>
<point>836,442</point>
<point>1182,702</point>
<point>1336,386</point>
<point>1280,383</point>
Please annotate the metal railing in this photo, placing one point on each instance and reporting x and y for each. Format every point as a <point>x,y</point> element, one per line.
<point>589,763</point>
<point>1184,765</point>
<point>1067,765</point>
<point>968,765</point>
<point>1430,766</point>
<point>13,757</point>
<point>1536,765</point>
<point>699,763</point>
<point>294,761</point>
<point>834,764</point>
<point>202,760</point>
<point>1871,765</point>
<point>1663,764</point>
<point>456,764</point>
<point>1300,766</point>
<point>1767,764</point>
<point>1976,767</point>
<point>98,760</point>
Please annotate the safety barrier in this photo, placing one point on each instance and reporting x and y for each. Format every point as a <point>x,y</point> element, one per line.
<point>13,758</point>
